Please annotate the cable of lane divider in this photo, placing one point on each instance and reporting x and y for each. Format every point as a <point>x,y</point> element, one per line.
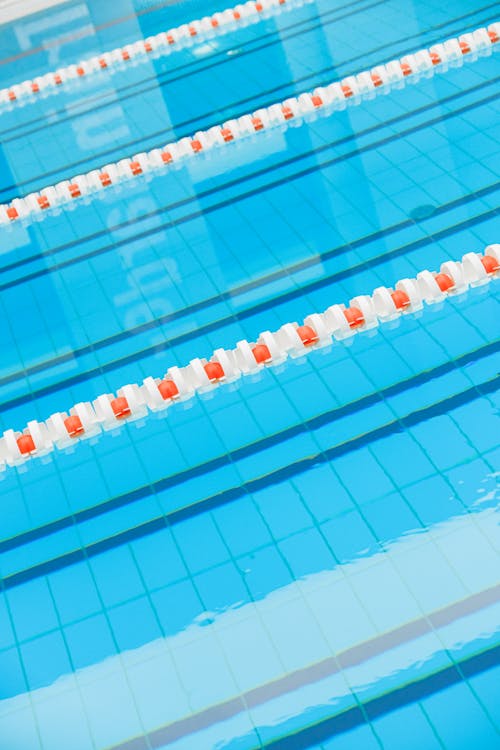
<point>319,330</point>
<point>292,111</point>
<point>159,45</point>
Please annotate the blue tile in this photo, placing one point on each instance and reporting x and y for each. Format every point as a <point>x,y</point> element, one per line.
<point>75,594</point>
<point>485,687</point>
<point>234,422</point>
<point>402,459</point>
<point>408,722</point>
<point>45,659</point>
<point>176,606</point>
<point>479,421</point>
<point>6,632</point>
<point>433,500</point>
<point>383,365</point>
<point>158,559</point>
<point>349,536</point>
<point>282,510</point>
<point>471,482</point>
<point>361,737</point>
<point>13,681</point>
<point>264,571</point>
<point>242,526</point>
<point>221,587</point>
<point>443,442</point>
<point>362,476</point>
<point>456,335</point>
<point>134,624</point>
<point>116,576</point>
<point>459,720</point>
<point>347,380</point>
<point>306,553</point>
<point>390,517</point>
<point>89,641</point>
<point>200,543</point>
<point>323,493</point>
<point>33,596</point>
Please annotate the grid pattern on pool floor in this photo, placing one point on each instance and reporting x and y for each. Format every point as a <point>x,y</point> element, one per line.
<point>146,573</point>
<point>60,38</point>
<point>397,363</point>
<point>442,720</point>
<point>97,300</point>
<point>318,520</point>
<point>343,36</point>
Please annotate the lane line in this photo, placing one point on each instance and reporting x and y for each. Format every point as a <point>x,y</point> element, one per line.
<point>325,100</point>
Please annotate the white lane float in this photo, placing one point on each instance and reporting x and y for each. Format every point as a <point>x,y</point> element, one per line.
<point>322,100</point>
<point>159,45</point>
<point>318,330</point>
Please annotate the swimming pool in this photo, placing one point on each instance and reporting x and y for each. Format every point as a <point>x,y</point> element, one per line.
<point>305,557</point>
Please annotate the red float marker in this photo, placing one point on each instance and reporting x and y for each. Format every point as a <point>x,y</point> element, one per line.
<point>43,202</point>
<point>120,407</point>
<point>226,135</point>
<point>135,167</point>
<point>490,264</point>
<point>308,335</point>
<point>261,353</point>
<point>214,371</point>
<point>400,299</point>
<point>354,316</point>
<point>168,389</point>
<point>323,100</point>
<point>224,22</point>
<point>25,444</point>
<point>74,426</point>
<point>444,282</point>
<point>336,324</point>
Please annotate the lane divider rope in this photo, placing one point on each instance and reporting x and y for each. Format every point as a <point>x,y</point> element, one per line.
<point>323,100</point>
<point>159,45</point>
<point>319,330</point>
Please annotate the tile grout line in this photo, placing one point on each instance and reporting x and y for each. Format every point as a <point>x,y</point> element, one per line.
<point>159,45</point>
<point>337,322</point>
<point>292,111</point>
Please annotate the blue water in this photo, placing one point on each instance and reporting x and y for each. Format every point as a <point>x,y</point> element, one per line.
<point>308,559</point>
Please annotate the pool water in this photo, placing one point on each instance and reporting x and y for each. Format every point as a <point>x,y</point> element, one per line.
<point>308,558</point>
